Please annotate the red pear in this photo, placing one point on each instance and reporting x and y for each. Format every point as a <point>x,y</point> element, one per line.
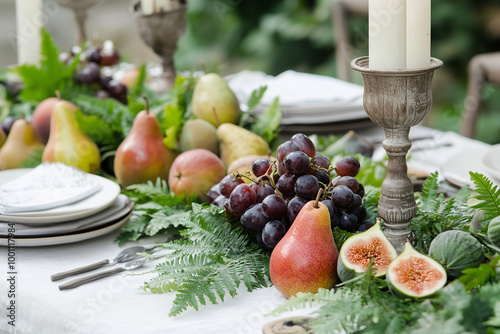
<point>143,156</point>
<point>306,258</point>
<point>42,115</point>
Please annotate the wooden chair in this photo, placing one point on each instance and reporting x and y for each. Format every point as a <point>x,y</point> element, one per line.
<point>483,69</point>
<point>341,11</point>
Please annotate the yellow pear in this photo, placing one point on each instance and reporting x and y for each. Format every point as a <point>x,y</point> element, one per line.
<point>236,142</point>
<point>198,133</point>
<point>68,144</point>
<point>19,144</point>
<point>214,101</point>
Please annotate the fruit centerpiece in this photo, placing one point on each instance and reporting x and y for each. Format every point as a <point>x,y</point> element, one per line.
<point>238,206</point>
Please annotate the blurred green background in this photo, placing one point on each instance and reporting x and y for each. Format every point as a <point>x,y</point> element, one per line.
<point>233,35</point>
<point>274,36</point>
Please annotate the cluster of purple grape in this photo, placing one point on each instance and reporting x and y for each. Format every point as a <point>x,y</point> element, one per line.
<point>93,58</point>
<point>269,205</point>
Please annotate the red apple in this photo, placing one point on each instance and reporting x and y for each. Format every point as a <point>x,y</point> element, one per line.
<point>194,172</point>
<point>41,117</point>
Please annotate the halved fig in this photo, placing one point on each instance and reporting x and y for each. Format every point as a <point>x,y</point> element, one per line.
<point>416,275</point>
<point>359,250</point>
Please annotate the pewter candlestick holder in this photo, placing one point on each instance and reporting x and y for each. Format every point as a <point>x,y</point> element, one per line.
<point>396,100</point>
<point>161,31</point>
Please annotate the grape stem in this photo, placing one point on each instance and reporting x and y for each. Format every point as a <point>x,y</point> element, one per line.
<point>316,203</point>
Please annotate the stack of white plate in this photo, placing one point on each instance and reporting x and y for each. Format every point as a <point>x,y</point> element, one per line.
<point>307,100</point>
<point>57,204</point>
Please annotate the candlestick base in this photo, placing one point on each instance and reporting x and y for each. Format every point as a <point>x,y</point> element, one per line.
<point>396,100</point>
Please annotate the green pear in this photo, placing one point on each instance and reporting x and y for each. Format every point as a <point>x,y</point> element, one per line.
<point>198,133</point>
<point>19,144</point>
<point>305,259</point>
<point>236,142</point>
<point>214,101</point>
<point>68,144</point>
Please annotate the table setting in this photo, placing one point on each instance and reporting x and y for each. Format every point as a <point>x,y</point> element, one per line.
<point>147,200</point>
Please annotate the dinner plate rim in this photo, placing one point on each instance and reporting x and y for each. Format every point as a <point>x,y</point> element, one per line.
<point>486,160</point>
<point>65,230</point>
<point>66,239</point>
<point>41,217</point>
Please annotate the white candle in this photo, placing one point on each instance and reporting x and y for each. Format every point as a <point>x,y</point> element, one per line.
<point>155,6</point>
<point>387,34</point>
<point>418,33</point>
<point>29,19</point>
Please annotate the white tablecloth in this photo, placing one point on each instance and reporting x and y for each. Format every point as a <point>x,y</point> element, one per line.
<point>115,304</point>
<point>118,305</point>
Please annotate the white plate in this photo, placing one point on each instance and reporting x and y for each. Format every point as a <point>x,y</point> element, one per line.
<point>119,209</point>
<point>65,239</point>
<point>491,161</point>
<point>456,169</point>
<point>92,204</point>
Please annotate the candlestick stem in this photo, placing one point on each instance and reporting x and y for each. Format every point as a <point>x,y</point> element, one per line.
<point>396,100</point>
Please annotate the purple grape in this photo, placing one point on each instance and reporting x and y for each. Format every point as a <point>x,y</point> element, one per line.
<point>307,186</point>
<point>272,233</point>
<point>118,91</point>
<point>241,198</point>
<point>254,219</point>
<point>90,74</point>
<point>262,190</point>
<point>221,201</point>
<point>285,149</point>
<point>321,161</point>
<point>213,193</point>
<point>347,166</point>
<point>281,168</point>
<point>361,191</point>
<point>274,207</point>
<point>305,144</point>
<point>348,222</point>
<point>261,167</point>
<point>296,162</point>
<point>350,182</point>
<point>335,213</point>
<point>323,178</point>
<point>355,204</point>
<point>293,208</point>
<point>286,184</point>
<point>361,213</point>
<point>365,225</point>
<point>342,197</point>
<point>228,183</point>
<point>93,54</point>
<point>7,123</point>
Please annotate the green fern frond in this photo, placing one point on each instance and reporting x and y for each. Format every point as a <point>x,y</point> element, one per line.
<point>303,300</point>
<point>488,194</point>
<point>429,193</point>
<point>158,188</point>
<point>214,260</point>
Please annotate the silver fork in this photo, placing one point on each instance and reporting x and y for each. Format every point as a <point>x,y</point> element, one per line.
<point>125,255</point>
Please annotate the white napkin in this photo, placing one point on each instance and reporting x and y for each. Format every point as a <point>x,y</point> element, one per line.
<point>295,88</point>
<point>47,186</point>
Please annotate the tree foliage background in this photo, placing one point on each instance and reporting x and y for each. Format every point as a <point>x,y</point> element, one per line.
<point>273,36</point>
